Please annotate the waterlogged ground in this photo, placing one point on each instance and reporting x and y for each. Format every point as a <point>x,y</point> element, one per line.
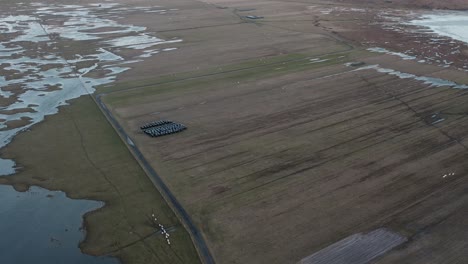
<point>440,25</point>
<point>430,81</point>
<point>48,237</point>
<point>444,33</point>
<point>436,37</point>
<point>450,24</point>
<point>50,54</point>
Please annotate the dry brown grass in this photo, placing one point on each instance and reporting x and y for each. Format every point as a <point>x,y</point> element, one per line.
<point>274,168</point>
<point>284,158</point>
<point>281,161</point>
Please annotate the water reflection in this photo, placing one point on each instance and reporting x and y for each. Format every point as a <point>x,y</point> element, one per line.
<point>40,226</point>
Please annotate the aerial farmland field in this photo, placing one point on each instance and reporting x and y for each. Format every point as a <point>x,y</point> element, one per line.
<point>316,131</point>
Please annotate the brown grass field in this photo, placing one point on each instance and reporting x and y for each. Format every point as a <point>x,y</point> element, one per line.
<point>285,155</point>
<point>288,150</point>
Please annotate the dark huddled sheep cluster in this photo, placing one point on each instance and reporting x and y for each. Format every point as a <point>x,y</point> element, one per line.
<point>162,127</point>
<point>166,129</point>
<point>156,123</point>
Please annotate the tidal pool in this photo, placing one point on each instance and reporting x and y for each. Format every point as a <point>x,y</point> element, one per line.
<point>449,24</point>
<point>41,226</point>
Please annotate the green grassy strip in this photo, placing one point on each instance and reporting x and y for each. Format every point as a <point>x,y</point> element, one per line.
<point>208,79</point>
